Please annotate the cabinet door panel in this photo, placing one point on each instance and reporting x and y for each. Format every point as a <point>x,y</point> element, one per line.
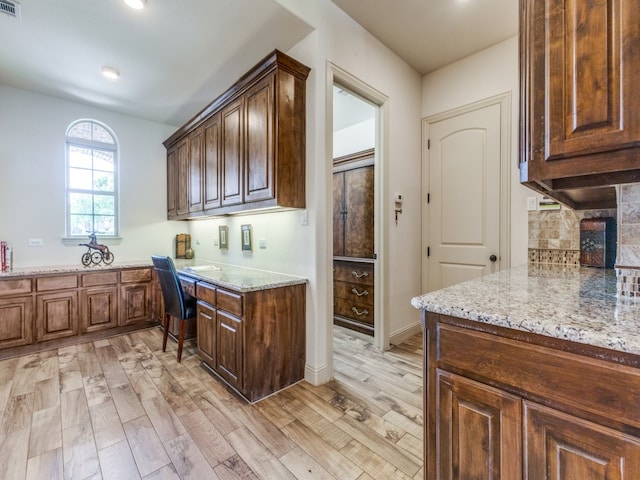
<point>16,327</point>
<point>560,447</point>
<point>172,183</point>
<point>212,149</point>
<point>259,141</point>
<point>207,332</point>
<point>338,214</point>
<point>229,348</point>
<point>195,171</point>
<point>56,315</point>
<point>99,307</point>
<point>358,201</point>
<point>478,431</point>
<point>135,303</point>
<point>232,154</point>
<point>182,181</point>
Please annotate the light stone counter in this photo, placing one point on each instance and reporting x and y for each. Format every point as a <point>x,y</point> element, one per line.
<point>58,269</point>
<point>571,303</point>
<point>237,278</point>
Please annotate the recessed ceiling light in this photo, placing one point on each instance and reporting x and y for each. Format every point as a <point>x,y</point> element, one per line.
<point>137,4</point>
<point>110,72</point>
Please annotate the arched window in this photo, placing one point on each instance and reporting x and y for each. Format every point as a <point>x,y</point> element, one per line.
<point>92,180</point>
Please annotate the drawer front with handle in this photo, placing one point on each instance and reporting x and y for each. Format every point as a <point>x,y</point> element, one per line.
<point>353,292</point>
<point>359,273</point>
<point>353,310</point>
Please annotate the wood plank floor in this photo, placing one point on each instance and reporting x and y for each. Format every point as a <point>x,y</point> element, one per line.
<point>120,408</point>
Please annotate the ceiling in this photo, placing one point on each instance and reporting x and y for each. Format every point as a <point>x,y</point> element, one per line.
<point>176,56</point>
<point>429,34</point>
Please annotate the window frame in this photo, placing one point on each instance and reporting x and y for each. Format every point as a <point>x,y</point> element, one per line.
<point>93,144</point>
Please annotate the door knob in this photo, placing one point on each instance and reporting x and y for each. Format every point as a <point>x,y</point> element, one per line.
<point>493,258</point>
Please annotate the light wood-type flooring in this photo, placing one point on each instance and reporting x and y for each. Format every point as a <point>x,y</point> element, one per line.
<point>120,409</point>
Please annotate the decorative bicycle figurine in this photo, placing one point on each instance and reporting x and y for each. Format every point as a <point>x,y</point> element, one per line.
<point>96,252</point>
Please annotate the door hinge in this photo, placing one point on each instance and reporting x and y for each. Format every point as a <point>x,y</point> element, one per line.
<point>428,197</point>
<point>428,144</point>
<point>428,251</point>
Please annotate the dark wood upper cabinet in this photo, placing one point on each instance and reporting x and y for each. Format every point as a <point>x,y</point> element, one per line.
<point>249,149</point>
<point>182,177</point>
<point>232,153</point>
<point>579,122</point>
<point>211,162</point>
<point>195,170</point>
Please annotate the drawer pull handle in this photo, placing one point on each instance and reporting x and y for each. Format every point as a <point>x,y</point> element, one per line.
<point>363,312</point>
<point>360,294</point>
<point>359,275</point>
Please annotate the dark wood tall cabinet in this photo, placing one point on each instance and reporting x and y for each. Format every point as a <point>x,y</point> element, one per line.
<point>353,241</point>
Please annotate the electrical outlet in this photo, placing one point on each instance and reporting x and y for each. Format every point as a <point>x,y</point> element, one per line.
<point>35,242</point>
<point>532,204</point>
<point>304,218</point>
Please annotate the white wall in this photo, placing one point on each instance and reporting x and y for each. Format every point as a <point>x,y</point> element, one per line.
<point>488,73</point>
<point>32,180</point>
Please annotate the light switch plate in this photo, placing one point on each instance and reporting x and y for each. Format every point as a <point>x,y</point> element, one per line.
<point>532,204</point>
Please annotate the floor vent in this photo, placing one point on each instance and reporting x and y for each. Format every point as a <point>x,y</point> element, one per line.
<point>10,8</point>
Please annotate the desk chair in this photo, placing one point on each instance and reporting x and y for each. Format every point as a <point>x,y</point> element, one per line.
<point>177,303</point>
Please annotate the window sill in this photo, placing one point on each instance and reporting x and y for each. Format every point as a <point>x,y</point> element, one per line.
<point>76,241</point>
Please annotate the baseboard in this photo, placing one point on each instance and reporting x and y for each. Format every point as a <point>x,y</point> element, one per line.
<point>396,338</point>
<point>316,376</point>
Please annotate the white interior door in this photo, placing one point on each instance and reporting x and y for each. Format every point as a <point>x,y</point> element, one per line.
<point>463,184</point>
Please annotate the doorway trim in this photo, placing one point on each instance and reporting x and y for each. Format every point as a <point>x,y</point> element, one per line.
<point>504,102</point>
<point>336,74</point>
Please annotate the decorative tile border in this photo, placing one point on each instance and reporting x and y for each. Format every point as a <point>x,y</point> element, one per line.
<point>628,283</point>
<point>554,256</point>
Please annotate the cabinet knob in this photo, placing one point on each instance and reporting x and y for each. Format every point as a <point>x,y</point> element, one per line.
<point>493,258</point>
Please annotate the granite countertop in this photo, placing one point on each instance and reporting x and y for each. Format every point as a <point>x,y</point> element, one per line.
<point>57,269</point>
<point>237,278</point>
<point>571,303</point>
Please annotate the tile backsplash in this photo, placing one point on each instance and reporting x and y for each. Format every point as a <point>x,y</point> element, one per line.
<point>554,235</point>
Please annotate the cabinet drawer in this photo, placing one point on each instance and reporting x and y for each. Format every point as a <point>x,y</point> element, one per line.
<point>140,275</point>
<point>15,286</point>
<point>206,292</point>
<point>360,273</point>
<point>354,292</point>
<point>98,279</point>
<point>353,310</point>
<point>188,285</point>
<point>58,282</point>
<point>230,302</point>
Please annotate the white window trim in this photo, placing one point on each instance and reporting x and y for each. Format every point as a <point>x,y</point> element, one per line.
<point>70,239</point>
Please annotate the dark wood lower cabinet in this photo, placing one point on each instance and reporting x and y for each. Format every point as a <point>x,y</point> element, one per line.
<point>562,447</point>
<point>98,308</point>
<point>47,310</point>
<point>16,327</point>
<point>229,347</point>
<point>254,341</point>
<point>478,430</point>
<point>57,315</point>
<point>506,405</point>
